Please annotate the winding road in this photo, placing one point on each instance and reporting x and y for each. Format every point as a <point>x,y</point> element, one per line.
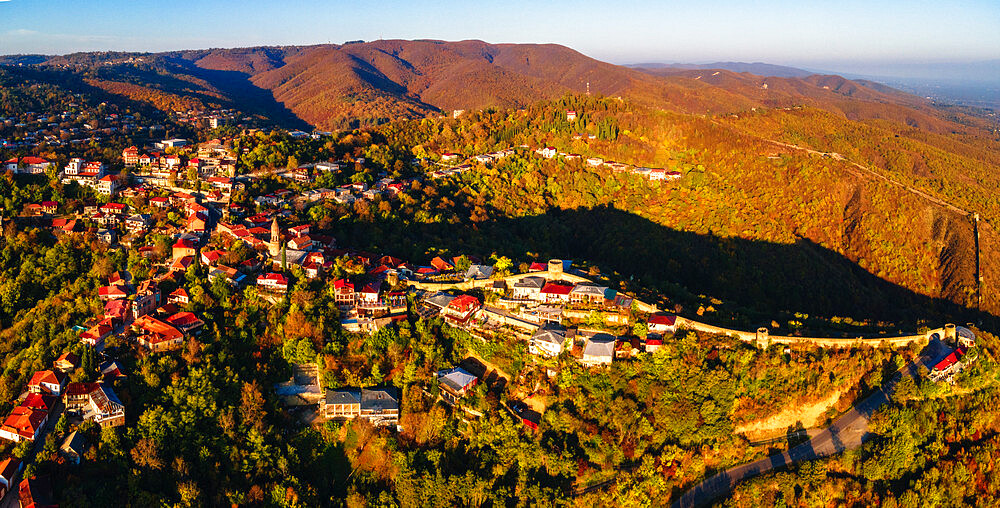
<point>846,433</point>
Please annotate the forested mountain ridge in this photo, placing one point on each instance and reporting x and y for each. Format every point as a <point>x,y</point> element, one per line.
<point>355,84</point>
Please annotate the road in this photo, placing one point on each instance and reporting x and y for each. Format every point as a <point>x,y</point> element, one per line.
<point>846,433</point>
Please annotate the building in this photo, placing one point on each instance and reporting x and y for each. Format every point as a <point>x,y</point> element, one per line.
<point>455,383</point>
<point>155,335</point>
<point>107,185</point>
<point>9,468</point>
<point>47,382</point>
<point>66,362</point>
<point>662,323</point>
<point>587,293</point>
<point>548,340</point>
<point>72,448</point>
<point>556,291</point>
<point>36,493</point>
<point>23,424</point>
<point>344,293</point>
<point>342,404</point>
<point>95,401</point>
<point>183,247</point>
<point>599,349</point>
<point>528,288</point>
<point>380,405</point>
<point>273,282</point>
<point>461,310</point>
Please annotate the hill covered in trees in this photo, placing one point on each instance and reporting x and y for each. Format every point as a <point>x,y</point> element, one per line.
<point>366,83</point>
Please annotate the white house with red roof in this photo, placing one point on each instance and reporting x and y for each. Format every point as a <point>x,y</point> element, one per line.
<point>107,185</point>
<point>662,323</point>
<point>273,282</point>
<point>461,310</point>
<point>29,164</point>
<point>47,382</point>
<point>556,292</point>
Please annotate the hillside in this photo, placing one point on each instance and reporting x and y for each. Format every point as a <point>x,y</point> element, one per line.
<point>351,85</point>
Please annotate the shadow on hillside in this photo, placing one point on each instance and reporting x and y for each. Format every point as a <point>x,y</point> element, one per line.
<point>765,280</point>
<point>246,96</point>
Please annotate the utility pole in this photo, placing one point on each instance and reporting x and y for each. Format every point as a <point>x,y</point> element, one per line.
<point>979,272</point>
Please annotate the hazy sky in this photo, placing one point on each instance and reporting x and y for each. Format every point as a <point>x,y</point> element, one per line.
<point>795,32</point>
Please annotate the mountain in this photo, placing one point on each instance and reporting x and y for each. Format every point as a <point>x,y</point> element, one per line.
<point>366,83</point>
<point>758,68</point>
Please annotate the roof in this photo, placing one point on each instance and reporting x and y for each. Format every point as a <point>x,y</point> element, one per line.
<point>9,467</point>
<point>464,303</point>
<point>600,346</point>
<point>662,319</point>
<point>556,288</point>
<point>47,376</point>
<point>69,357</point>
<point>589,288</point>
<point>343,396</point>
<point>533,282</point>
<point>553,334</point>
<point>948,361</point>
<point>479,272</point>
<point>456,378</point>
<point>25,421</point>
<point>184,319</point>
<point>343,284</point>
<point>180,292</point>
<point>161,330</point>
<point>73,442</point>
<point>379,398</point>
<point>277,278</point>
<point>439,299</point>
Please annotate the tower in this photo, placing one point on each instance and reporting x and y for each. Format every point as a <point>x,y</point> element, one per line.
<point>274,246</point>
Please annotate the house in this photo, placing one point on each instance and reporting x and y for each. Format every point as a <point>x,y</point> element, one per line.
<point>111,371</point>
<point>662,323</point>
<point>301,230</point>
<point>556,291</point>
<point>108,236</point>
<point>186,322</point>
<point>441,265</point>
<point>344,292</point>
<point>137,222</point>
<point>528,288</point>
<point>155,335</point>
<point>183,247</point>
<point>587,293</point>
<point>449,157</point>
<point>479,272</point>
<point>273,282</point>
<point>455,383</point>
<point>548,340</point>
<point>9,468</point>
<point>160,202</point>
<point>599,349</point>
<point>211,257</point>
<point>130,156</point>
<point>48,382</point>
<point>66,362</point>
<point>368,296</point>
<point>49,207</point>
<point>594,162</point>
<point>570,116</point>
<point>95,401</point>
<point>547,152</point>
<point>107,185</point>
<point>23,424</point>
<point>342,404</point>
<point>72,447</point>
<point>380,405</point>
<point>461,310</point>
<point>179,297</point>
<point>94,337</point>
<point>35,493</point>
<point>300,242</point>
<point>115,292</point>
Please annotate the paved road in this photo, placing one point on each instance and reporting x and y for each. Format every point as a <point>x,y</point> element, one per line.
<point>846,433</point>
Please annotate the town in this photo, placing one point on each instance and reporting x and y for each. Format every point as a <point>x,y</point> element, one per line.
<point>174,209</point>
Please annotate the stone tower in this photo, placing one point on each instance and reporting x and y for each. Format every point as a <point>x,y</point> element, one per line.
<point>274,246</point>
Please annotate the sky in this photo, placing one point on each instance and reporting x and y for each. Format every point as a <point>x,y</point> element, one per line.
<point>806,33</point>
